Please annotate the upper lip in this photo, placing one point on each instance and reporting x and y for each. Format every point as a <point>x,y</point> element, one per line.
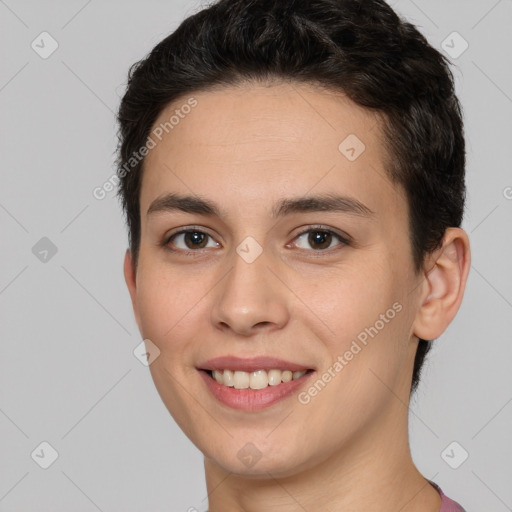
<point>252,364</point>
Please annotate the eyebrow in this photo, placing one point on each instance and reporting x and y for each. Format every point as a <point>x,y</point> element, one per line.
<point>318,203</point>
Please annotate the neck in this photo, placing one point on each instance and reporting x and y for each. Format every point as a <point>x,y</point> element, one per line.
<point>374,471</point>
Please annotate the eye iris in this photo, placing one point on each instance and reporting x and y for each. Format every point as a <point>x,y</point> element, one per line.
<point>320,237</point>
<point>197,239</point>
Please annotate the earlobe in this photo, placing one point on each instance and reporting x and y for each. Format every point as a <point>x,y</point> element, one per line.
<point>131,282</point>
<point>444,285</point>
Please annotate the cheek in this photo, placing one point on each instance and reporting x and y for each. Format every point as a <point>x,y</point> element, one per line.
<point>349,300</point>
<point>162,302</point>
<point>171,306</point>
<point>367,327</point>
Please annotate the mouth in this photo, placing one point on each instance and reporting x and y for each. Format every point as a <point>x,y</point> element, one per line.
<point>252,384</point>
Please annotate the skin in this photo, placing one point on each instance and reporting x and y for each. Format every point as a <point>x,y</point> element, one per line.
<point>245,147</point>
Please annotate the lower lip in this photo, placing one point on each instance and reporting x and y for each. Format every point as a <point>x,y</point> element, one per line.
<point>252,399</point>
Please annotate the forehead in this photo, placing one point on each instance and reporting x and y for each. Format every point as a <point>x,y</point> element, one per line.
<point>263,142</point>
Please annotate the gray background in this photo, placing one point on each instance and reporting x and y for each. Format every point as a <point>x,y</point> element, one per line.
<point>68,375</point>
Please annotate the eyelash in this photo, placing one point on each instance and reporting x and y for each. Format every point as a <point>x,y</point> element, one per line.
<point>343,241</point>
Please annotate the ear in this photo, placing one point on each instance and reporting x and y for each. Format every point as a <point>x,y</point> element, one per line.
<point>131,282</point>
<point>444,284</point>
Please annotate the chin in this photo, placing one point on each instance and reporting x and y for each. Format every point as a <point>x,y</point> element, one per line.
<point>252,460</point>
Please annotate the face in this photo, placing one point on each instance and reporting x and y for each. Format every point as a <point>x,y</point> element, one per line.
<point>259,271</point>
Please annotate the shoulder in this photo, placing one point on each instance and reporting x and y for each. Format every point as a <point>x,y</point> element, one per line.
<point>447,504</point>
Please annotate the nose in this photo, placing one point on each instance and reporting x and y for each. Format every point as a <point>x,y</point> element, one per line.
<point>250,299</point>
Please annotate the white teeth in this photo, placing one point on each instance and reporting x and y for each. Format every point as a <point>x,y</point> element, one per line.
<point>241,380</point>
<point>287,376</point>
<point>255,380</point>
<point>258,380</point>
<point>229,378</point>
<point>274,377</point>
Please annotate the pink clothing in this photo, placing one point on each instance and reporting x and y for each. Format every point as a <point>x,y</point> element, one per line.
<point>447,505</point>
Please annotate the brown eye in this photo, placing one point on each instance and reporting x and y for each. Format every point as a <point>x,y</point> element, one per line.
<point>190,239</point>
<point>195,239</point>
<point>319,239</point>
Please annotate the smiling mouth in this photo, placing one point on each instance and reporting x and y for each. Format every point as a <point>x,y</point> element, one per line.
<point>258,379</point>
